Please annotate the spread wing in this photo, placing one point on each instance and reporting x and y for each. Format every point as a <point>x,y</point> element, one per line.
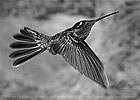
<point>77,53</point>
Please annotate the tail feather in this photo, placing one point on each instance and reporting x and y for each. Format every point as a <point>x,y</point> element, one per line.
<point>26,32</point>
<point>32,33</point>
<point>23,38</point>
<point>20,45</point>
<point>22,52</point>
<point>26,58</point>
<point>30,44</point>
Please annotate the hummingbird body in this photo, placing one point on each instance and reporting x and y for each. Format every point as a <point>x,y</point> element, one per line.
<point>69,44</point>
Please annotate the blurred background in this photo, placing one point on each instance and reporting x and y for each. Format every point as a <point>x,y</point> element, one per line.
<point>116,41</point>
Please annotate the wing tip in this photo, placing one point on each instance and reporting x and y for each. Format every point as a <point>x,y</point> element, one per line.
<point>105,84</point>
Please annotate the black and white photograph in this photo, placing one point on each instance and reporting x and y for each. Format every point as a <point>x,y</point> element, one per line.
<point>69,50</point>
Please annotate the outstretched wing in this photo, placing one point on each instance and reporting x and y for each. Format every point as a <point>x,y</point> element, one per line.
<point>77,53</point>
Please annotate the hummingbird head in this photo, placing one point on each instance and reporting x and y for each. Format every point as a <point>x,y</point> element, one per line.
<point>83,27</point>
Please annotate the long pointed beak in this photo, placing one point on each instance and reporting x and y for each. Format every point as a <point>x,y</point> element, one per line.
<point>102,17</point>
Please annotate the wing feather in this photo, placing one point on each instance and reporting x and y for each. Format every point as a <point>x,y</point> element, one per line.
<point>82,62</point>
<point>77,53</point>
<point>88,68</point>
<point>79,61</point>
<point>74,57</point>
<point>93,70</point>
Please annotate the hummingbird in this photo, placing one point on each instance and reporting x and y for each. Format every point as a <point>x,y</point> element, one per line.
<point>70,44</point>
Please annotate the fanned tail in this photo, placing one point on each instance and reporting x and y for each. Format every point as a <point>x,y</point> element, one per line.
<point>30,43</point>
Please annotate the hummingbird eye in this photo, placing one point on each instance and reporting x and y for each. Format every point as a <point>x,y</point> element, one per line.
<point>79,24</point>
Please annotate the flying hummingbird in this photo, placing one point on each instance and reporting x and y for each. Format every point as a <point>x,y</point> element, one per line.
<point>70,44</point>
